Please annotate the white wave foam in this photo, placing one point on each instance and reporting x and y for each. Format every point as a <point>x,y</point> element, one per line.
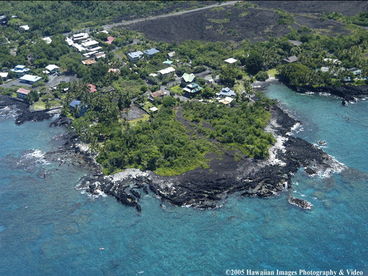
<point>35,155</point>
<point>278,146</point>
<point>8,112</point>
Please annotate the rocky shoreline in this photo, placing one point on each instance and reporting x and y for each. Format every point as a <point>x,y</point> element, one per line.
<point>21,108</point>
<point>200,188</point>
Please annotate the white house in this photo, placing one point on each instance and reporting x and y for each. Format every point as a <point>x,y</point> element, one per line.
<point>52,68</point>
<point>231,60</point>
<point>24,27</point>
<point>30,79</point>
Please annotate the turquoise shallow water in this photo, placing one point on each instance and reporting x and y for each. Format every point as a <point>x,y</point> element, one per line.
<point>49,228</point>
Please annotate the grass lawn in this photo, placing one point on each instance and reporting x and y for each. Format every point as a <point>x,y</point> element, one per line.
<point>144,118</point>
<point>176,90</point>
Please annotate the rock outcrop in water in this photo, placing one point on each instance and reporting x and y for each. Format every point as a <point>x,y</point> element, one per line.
<point>22,110</point>
<point>348,93</point>
<point>208,188</point>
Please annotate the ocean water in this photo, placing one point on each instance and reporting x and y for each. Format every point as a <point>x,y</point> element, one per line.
<point>47,227</point>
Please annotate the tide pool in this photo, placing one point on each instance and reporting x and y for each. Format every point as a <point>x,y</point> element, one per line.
<point>47,227</point>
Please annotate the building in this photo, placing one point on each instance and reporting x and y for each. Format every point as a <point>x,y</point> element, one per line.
<point>226,92</point>
<point>4,75</point>
<point>114,70</point>
<point>134,56</point>
<point>171,54</point>
<point>153,109</point>
<point>325,69</point>
<point>22,93</point>
<point>295,42</point>
<point>110,39</point>
<point>231,60</point>
<point>80,36</point>
<point>100,55</point>
<point>226,100</point>
<point>24,27</point>
<point>52,68</point>
<point>290,59</point>
<point>30,79</point>
<point>91,88</point>
<point>355,71</point>
<point>3,20</point>
<point>88,61</point>
<point>332,60</point>
<point>192,89</point>
<point>167,72</point>
<point>47,39</point>
<point>157,94</point>
<point>187,78</point>
<point>77,107</point>
<point>168,62</point>
<point>89,43</point>
<point>151,52</point>
<point>20,70</point>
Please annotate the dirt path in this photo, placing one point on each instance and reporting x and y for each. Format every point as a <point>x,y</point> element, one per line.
<point>129,22</point>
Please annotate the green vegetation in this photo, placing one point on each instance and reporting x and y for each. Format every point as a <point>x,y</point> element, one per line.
<point>241,127</point>
<point>161,145</point>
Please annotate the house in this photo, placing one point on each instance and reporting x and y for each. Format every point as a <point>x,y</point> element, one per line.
<point>231,60</point>
<point>325,69</point>
<point>100,55</point>
<point>91,88</point>
<point>171,54</point>
<point>226,100</point>
<point>88,61</point>
<point>290,59</point>
<point>153,109</point>
<point>110,39</point>
<point>47,39</point>
<point>3,20</point>
<point>134,56</point>
<point>295,42</point>
<point>77,107</point>
<point>187,78</point>
<point>157,94</point>
<point>209,79</point>
<point>332,60</point>
<point>192,89</point>
<point>151,52</point>
<point>168,62</point>
<point>20,70</point>
<point>167,72</point>
<point>24,27</point>
<point>52,68</point>
<point>226,92</point>
<point>23,93</point>
<point>4,75</point>
<point>355,71</point>
<point>114,70</point>
<point>80,36</point>
<point>30,79</point>
<point>89,43</point>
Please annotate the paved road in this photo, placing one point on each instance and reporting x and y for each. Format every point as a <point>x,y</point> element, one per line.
<point>129,22</point>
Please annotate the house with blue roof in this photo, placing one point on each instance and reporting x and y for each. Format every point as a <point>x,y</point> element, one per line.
<point>226,92</point>
<point>77,108</point>
<point>151,52</point>
<point>135,56</point>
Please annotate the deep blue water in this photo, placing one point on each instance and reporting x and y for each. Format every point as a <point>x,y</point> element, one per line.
<point>49,228</point>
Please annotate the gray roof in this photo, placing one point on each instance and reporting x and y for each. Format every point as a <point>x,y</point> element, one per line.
<point>291,59</point>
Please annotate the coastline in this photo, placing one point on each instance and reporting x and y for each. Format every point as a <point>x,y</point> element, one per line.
<point>200,188</point>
